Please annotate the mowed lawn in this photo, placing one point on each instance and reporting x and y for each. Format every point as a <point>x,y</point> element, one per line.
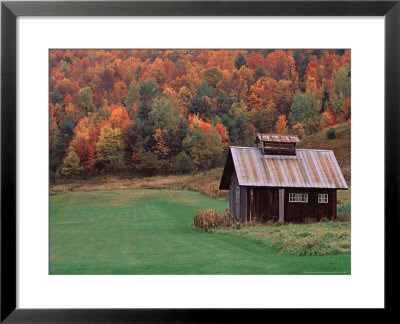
<point>145,231</point>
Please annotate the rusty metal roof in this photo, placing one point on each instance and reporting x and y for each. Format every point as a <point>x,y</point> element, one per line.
<point>306,169</point>
<point>277,138</point>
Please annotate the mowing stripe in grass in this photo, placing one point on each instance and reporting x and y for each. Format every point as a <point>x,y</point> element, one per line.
<point>146,231</point>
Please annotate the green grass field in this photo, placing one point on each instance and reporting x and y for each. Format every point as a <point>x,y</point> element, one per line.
<point>145,231</point>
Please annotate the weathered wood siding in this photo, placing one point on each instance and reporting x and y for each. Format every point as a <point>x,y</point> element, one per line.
<point>234,203</point>
<point>243,203</point>
<point>263,205</point>
<point>237,199</point>
<point>297,212</point>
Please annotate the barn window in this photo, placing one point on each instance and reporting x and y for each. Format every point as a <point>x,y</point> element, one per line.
<point>322,198</point>
<point>298,197</point>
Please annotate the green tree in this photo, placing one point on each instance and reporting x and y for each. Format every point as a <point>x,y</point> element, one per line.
<point>143,127</point>
<point>148,90</point>
<point>204,148</point>
<point>200,106</point>
<point>240,61</point>
<point>204,90</point>
<point>304,109</point>
<point>71,166</point>
<point>325,100</point>
<point>213,76</point>
<point>259,72</point>
<point>133,95</point>
<point>182,163</point>
<point>164,115</point>
<point>86,98</point>
<point>110,148</point>
<point>149,164</point>
<point>64,67</point>
<point>341,88</point>
<point>56,96</point>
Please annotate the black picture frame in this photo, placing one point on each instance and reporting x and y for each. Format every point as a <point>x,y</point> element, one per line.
<point>9,13</point>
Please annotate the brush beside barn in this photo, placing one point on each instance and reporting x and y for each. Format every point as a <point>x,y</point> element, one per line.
<point>278,182</point>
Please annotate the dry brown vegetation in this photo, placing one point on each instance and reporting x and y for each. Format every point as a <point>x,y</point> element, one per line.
<point>206,183</point>
<point>210,218</point>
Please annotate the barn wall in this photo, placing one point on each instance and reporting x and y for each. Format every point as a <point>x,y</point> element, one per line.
<point>234,203</point>
<point>243,203</point>
<point>296,212</point>
<point>263,204</point>
<point>231,195</point>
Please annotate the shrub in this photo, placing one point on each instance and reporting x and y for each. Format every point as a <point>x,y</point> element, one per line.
<point>343,211</point>
<point>149,164</point>
<point>331,133</point>
<point>182,163</point>
<point>210,218</point>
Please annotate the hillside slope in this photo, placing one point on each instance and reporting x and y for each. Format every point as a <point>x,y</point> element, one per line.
<point>206,182</point>
<point>341,146</point>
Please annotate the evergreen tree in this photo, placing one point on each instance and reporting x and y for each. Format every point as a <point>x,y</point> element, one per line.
<point>133,95</point>
<point>56,97</point>
<point>200,106</point>
<point>240,61</point>
<point>148,90</point>
<point>324,100</point>
<point>205,90</point>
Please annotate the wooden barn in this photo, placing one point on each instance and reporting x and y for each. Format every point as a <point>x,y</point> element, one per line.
<point>278,182</point>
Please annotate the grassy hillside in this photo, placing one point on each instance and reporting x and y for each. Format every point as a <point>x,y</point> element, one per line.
<point>148,232</point>
<point>341,146</point>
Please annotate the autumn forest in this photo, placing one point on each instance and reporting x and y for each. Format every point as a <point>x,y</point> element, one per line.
<point>177,111</point>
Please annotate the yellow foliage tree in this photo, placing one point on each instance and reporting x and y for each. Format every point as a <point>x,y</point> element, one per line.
<point>298,130</point>
<point>161,148</point>
<point>281,125</point>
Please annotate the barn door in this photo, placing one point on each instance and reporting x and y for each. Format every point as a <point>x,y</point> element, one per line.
<point>273,204</point>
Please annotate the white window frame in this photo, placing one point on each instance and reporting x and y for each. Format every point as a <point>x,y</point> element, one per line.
<point>322,198</point>
<point>298,197</point>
